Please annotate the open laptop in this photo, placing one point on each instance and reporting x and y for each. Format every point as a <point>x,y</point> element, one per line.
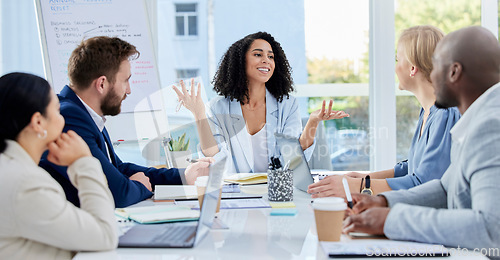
<point>292,152</point>
<point>180,234</point>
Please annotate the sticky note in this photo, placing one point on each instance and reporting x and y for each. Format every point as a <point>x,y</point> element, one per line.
<point>284,212</point>
<point>279,205</point>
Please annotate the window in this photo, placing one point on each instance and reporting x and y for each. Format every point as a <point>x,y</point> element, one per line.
<point>186,74</point>
<point>338,70</point>
<point>186,20</point>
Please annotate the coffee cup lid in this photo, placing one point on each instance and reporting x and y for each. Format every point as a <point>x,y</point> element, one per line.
<point>329,204</point>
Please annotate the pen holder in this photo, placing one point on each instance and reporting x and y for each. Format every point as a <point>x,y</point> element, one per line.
<point>280,185</point>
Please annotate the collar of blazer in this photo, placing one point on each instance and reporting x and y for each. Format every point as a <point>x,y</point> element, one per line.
<point>272,117</point>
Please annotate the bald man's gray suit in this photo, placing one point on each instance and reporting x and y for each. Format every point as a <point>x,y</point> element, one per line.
<point>462,209</point>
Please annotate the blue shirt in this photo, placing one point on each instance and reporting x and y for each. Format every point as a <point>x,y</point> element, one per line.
<point>429,154</point>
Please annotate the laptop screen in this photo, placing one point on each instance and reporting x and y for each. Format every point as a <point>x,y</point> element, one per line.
<point>293,155</point>
<point>211,198</point>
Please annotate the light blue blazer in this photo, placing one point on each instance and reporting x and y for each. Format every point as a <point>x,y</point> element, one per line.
<point>228,127</point>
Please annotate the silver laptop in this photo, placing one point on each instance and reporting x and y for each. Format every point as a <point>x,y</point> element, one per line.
<point>291,151</point>
<point>180,234</point>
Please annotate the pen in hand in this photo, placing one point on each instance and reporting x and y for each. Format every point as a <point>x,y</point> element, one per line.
<point>347,192</point>
<point>192,160</point>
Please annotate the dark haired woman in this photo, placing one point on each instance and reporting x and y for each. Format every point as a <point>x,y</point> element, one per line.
<point>254,81</point>
<point>37,222</point>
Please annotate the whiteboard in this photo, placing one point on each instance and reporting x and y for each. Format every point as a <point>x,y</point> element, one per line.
<point>63,24</point>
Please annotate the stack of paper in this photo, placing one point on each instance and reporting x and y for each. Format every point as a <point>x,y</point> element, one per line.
<point>158,214</point>
<point>247,178</point>
<point>175,192</point>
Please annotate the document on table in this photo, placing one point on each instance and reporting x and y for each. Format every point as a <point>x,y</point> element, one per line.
<point>231,204</point>
<point>381,247</point>
<point>175,192</point>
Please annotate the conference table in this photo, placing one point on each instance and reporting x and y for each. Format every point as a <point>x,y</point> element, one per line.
<point>252,234</point>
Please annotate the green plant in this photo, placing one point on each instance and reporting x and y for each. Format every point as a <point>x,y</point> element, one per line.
<point>179,144</point>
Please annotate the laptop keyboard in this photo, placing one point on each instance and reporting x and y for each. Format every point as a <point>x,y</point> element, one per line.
<point>178,234</point>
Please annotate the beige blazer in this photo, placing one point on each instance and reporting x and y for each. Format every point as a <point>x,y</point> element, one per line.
<point>36,220</point>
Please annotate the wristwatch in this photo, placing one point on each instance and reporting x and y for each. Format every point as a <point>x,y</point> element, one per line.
<point>367,189</point>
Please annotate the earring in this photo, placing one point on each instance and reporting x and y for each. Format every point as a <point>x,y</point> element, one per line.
<point>42,136</point>
<point>412,75</point>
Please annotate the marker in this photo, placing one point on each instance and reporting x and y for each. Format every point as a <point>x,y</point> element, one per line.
<point>347,192</point>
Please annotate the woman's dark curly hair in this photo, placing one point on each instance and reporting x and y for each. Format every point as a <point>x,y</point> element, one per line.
<point>230,79</point>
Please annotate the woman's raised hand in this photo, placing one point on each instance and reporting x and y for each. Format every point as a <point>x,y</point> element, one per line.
<point>192,101</point>
<point>327,114</point>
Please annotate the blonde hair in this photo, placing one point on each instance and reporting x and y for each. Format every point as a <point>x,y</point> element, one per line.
<point>419,43</point>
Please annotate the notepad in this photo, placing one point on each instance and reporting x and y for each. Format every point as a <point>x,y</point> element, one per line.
<point>286,204</point>
<point>284,212</point>
<point>158,214</point>
<point>247,178</point>
<point>175,192</point>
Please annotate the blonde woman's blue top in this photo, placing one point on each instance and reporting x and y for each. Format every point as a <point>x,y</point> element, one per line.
<point>429,154</point>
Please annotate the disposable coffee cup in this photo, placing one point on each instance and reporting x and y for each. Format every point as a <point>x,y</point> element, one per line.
<point>329,214</point>
<point>201,185</point>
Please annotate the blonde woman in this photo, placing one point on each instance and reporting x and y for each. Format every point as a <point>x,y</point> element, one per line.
<point>429,154</point>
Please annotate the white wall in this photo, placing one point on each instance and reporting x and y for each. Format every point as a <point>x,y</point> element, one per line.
<point>178,52</point>
<point>283,19</point>
<point>20,44</point>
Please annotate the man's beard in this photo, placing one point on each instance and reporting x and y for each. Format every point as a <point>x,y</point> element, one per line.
<point>111,104</point>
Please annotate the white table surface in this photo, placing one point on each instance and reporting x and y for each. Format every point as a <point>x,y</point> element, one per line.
<point>252,234</point>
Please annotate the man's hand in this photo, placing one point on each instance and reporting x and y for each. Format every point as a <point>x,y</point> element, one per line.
<point>363,202</point>
<point>197,169</point>
<point>370,221</point>
<point>327,187</point>
<point>140,177</point>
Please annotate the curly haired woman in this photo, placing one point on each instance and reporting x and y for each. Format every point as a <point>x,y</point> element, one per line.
<point>254,82</point>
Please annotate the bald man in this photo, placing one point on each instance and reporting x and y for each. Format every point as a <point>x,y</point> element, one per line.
<point>461,209</point>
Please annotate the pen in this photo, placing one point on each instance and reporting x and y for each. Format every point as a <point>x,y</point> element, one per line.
<point>347,192</point>
<point>179,105</point>
<point>191,160</point>
<point>287,164</point>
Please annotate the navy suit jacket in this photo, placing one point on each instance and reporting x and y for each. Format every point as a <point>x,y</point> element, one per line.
<point>125,191</point>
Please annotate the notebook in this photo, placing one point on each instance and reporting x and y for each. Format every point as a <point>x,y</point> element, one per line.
<point>158,214</point>
<point>179,234</point>
<point>293,155</point>
<point>247,178</point>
